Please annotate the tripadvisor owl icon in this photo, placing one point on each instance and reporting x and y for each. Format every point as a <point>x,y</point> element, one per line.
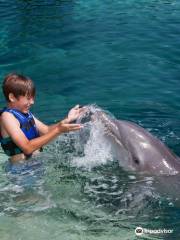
<point>139,231</point>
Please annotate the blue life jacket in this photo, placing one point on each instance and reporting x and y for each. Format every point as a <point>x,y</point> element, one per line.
<point>27,125</point>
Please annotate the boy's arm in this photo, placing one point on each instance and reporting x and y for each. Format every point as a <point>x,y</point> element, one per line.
<point>73,114</point>
<point>43,128</point>
<point>11,125</point>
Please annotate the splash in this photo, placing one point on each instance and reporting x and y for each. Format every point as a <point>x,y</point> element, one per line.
<point>86,148</point>
<point>97,151</point>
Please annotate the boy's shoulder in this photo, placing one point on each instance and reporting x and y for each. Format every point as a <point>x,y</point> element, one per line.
<point>7,116</point>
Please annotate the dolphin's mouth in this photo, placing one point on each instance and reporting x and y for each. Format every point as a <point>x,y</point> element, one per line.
<point>86,114</point>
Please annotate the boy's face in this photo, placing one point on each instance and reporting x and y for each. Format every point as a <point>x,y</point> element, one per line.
<point>22,103</point>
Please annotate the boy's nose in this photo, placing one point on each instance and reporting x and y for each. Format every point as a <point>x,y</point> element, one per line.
<point>32,101</point>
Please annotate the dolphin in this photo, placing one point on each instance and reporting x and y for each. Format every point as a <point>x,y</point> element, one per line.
<point>135,148</point>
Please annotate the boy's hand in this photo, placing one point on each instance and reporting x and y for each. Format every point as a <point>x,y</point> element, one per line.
<point>67,127</point>
<point>74,113</point>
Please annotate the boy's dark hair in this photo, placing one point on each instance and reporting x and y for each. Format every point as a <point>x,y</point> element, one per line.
<point>19,85</point>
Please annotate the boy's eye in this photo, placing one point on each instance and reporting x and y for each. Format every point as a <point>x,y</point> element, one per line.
<point>29,98</point>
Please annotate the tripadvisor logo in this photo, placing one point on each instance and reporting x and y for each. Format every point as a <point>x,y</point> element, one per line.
<point>139,231</point>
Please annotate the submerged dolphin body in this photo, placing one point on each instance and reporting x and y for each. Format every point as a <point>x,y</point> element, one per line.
<point>136,149</point>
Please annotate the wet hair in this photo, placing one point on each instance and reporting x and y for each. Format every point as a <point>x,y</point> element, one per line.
<point>18,85</point>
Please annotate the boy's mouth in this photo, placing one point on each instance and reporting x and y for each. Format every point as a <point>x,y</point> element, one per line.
<point>26,109</point>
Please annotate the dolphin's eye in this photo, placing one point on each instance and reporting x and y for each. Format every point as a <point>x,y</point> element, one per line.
<point>136,160</point>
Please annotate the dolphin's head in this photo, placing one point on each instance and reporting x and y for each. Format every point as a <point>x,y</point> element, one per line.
<point>147,153</point>
<point>134,147</point>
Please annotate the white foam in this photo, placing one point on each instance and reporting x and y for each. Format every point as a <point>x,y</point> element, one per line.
<point>97,150</point>
<point>12,187</point>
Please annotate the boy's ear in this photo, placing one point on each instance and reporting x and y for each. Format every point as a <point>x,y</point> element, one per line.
<point>11,97</point>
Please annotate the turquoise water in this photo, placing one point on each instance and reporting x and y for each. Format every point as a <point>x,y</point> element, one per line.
<point>121,55</point>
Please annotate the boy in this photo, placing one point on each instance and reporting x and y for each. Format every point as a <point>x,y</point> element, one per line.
<point>22,135</point>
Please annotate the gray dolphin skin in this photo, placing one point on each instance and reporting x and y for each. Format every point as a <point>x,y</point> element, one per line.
<point>145,152</point>
<point>136,149</point>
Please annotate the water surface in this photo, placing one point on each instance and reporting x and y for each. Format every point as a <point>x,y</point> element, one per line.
<point>121,55</point>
